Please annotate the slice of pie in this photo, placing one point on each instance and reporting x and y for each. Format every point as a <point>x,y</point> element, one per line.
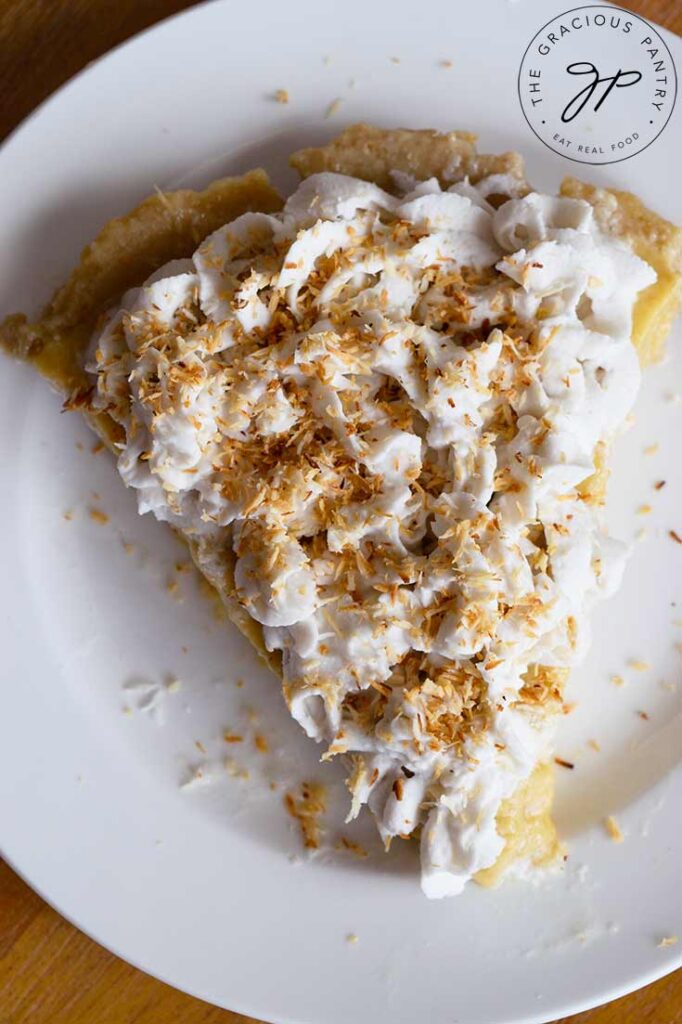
<point>379,415</point>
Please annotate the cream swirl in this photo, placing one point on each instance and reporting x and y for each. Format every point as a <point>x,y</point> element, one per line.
<point>385,406</point>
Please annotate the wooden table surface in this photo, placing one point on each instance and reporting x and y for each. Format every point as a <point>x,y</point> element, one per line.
<point>50,973</point>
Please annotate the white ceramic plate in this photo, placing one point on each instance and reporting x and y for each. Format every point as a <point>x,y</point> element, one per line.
<point>205,886</point>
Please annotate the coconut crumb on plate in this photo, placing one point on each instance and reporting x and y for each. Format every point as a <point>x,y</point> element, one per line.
<point>351,846</point>
<point>613,830</point>
<point>98,516</point>
<point>306,810</point>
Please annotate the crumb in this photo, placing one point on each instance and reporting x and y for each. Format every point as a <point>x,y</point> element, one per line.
<point>183,566</point>
<point>639,666</point>
<point>675,536</point>
<point>333,107</point>
<point>184,649</point>
<point>668,940</point>
<point>445,63</point>
<point>79,446</point>
<point>173,684</point>
<point>644,510</point>
<point>97,447</point>
<point>651,449</point>
<point>232,737</point>
<point>239,683</point>
<point>614,832</point>
<point>352,938</point>
<point>252,715</point>
<point>641,533</point>
<point>173,587</point>
<point>126,710</point>
<point>98,516</point>
<point>128,547</point>
<point>345,843</point>
<point>282,96</point>
<point>200,746</point>
<point>307,811</point>
<point>568,707</point>
<point>274,786</point>
<point>644,715</point>
<point>68,515</point>
<point>261,743</point>
<point>594,745</point>
<point>670,687</point>
<point>563,763</point>
<point>617,680</point>
<point>394,60</point>
<point>659,485</point>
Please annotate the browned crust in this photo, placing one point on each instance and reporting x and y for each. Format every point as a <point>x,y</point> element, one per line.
<point>165,226</point>
<point>365,151</point>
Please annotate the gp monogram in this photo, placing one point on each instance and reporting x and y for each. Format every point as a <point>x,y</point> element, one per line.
<point>597,84</point>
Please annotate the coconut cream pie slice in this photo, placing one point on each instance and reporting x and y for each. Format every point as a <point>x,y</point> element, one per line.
<point>378,415</point>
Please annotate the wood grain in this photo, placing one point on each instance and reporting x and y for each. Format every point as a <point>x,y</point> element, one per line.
<point>50,973</point>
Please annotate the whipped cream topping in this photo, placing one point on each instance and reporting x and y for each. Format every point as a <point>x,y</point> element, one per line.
<point>385,406</point>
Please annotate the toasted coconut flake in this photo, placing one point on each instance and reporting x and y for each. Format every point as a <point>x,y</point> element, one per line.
<point>611,826</point>
<point>307,810</point>
<point>351,846</point>
<point>260,743</point>
<point>98,516</point>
